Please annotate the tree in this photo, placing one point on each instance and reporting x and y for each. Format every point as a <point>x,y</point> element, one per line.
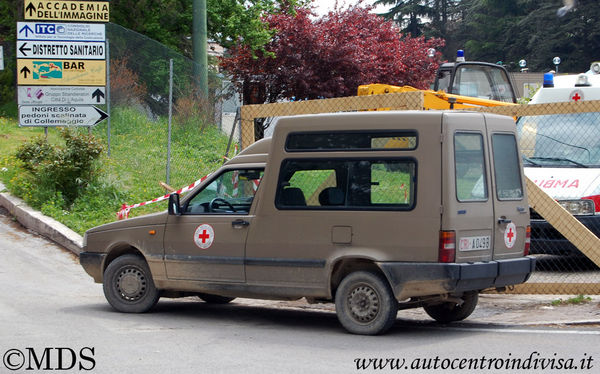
<point>228,21</point>
<point>330,57</point>
<point>408,14</point>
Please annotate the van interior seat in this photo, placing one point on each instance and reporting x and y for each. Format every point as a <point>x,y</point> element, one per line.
<point>293,196</point>
<point>331,196</point>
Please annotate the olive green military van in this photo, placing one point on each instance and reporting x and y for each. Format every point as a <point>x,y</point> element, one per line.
<point>374,211</point>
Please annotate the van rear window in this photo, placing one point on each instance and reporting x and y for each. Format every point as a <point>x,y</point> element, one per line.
<point>506,167</point>
<point>351,141</point>
<point>471,183</point>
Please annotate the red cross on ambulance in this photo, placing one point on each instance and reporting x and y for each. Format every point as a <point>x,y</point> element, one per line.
<point>204,236</point>
<point>576,95</point>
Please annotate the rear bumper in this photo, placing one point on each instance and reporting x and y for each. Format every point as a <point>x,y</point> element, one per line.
<point>421,279</point>
<point>92,264</point>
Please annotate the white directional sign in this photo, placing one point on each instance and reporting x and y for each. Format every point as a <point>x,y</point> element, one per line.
<point>61,95</point>
<point>61,50</point>
<point>88,32</point>
<point>60,115</point>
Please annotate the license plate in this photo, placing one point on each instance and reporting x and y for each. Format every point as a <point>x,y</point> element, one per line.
<point>474,243</point>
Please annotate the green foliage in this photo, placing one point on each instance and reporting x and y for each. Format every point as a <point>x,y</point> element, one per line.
<point>580,299</point>
<point>65,170</point>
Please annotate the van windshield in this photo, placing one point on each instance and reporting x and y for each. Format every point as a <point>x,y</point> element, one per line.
<point>560,140</point>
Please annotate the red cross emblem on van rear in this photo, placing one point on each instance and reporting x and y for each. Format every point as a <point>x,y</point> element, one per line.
<point>510,235</point>
<point>204,235</point>
<point>576,97</point>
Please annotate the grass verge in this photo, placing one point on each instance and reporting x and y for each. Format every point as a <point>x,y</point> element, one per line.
<point>130,175</point>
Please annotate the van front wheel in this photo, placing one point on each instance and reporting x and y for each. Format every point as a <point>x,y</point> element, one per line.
<point>128,285</point>
<point>450,311</point>
<point>365,303</point>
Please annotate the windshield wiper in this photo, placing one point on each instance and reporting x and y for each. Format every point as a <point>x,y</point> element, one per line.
<point>560,159</point>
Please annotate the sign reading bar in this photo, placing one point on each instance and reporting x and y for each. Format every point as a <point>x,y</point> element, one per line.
<point>61,95</point>
<point>61,50</point>
<point>86,11</point>
<point>60,115</point>
<point>85,32</point>
<point>61,72</point>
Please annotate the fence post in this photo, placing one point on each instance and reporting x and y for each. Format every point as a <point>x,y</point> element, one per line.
<point>170,119</point>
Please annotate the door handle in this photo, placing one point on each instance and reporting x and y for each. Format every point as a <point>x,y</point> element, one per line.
<point>239,222</point>
<point>504,220</point>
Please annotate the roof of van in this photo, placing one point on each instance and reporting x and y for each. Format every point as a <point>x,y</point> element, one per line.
<point>567,88</point>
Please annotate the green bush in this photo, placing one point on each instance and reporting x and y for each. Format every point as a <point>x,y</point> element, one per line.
<point>66,170</point>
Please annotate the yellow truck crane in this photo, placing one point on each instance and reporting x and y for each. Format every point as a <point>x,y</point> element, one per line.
<point>459,85</point>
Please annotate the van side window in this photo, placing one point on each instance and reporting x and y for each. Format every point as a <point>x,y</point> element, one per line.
<point>231,192</point>
<point>353,184</point>
<point>382,140</point>
<point>471,183</point>
<point>506,167</point>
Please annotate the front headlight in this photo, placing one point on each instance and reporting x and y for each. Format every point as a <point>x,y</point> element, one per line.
<point>578,207</point>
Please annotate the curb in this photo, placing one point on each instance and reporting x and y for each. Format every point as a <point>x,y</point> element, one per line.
<point>41,224</point>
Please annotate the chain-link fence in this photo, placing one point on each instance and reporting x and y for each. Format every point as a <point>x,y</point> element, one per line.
<point>162,127</point>
<point>561,149</point>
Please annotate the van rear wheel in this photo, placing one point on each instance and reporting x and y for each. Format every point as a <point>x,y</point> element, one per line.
<point>365,303</point>
<point>128,285</point>
<point>450,311</point>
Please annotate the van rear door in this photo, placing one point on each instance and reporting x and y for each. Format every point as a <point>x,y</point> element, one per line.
<point>467,204</point>
<point>511,209</point>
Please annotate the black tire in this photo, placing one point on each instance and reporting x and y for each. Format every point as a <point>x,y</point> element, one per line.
<point>451,312</point>
<point>128,285</point>
<point>365,303</point>
<point>215,299</point>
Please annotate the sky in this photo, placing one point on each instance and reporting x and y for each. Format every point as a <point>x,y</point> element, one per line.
<point>324,6</point>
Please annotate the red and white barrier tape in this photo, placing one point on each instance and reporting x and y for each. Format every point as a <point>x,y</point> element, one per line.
<point>124,212</point>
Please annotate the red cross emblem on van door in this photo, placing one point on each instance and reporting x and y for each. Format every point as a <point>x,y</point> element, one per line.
<point>204,236</point>
<point>510,235</point>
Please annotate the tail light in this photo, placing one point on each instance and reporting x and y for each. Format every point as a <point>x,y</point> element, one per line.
<point>447,249</point>
<point>527,240</point>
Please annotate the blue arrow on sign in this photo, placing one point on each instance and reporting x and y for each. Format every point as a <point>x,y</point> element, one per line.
<point>27,30</point>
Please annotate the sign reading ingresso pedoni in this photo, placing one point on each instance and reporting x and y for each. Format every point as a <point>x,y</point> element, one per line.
<point>84,32</point>
<point>60,115</point>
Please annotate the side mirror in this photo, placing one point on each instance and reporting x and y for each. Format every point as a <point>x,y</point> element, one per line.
<point>174,207</point>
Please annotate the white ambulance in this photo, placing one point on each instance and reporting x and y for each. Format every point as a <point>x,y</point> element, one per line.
<point>561,154</point>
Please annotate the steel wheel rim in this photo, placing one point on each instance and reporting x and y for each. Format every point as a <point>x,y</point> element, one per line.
<point>363,303</point>
<point>131,283</point>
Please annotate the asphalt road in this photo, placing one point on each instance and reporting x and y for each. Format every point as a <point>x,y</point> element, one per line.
<point>49,305</point>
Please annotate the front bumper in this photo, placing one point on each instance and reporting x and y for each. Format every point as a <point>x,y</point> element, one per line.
<point>545,239</point>
<point>423,279</point>
<point>92,264</point>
